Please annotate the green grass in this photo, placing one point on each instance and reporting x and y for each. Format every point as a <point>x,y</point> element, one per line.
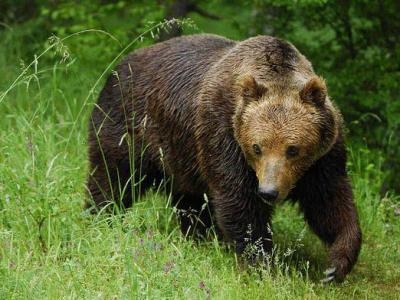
<point>50,248</point>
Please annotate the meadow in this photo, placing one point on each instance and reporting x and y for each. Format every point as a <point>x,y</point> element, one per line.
<point>50,248</point>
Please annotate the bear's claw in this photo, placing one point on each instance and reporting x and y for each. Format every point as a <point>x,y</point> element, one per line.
<point>330,275</point>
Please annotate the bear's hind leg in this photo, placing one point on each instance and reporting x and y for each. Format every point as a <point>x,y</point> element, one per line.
<point>108,182</point>
<point>117,177</point>
<point>194,215</point>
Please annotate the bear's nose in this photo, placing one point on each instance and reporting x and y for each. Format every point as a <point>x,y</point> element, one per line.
<point>268,194</point>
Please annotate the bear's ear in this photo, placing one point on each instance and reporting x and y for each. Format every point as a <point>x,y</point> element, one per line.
<point>249,88</point>
<point>314,91</point>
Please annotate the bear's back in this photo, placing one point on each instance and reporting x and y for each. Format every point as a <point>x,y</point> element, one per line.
<point>164,76</point>
<point>174,69</point>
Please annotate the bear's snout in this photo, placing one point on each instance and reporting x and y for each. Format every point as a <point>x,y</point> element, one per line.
<point>268,194</point>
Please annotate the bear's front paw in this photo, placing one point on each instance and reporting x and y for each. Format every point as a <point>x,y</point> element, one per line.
<point>338,271</point>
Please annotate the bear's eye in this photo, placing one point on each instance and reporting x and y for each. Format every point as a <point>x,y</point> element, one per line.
<point>292,151</point>
<point>256,149</point>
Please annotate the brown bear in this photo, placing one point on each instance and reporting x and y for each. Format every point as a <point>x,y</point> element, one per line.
<point>246,123</point>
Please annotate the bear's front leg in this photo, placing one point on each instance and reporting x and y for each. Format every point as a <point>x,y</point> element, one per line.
<point>335,221</point>
<point>244,221</point>
<point>326,199</point>
<point>241,216</point>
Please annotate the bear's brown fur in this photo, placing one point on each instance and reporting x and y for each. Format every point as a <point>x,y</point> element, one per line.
<point>245,122</point>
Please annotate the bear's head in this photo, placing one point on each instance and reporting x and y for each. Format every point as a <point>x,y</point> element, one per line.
<point>283,130</point>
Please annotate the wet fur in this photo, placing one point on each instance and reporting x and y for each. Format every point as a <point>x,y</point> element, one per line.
<point>181,96</point>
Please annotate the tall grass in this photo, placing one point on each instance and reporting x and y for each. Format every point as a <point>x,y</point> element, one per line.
<point>51,248</point>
